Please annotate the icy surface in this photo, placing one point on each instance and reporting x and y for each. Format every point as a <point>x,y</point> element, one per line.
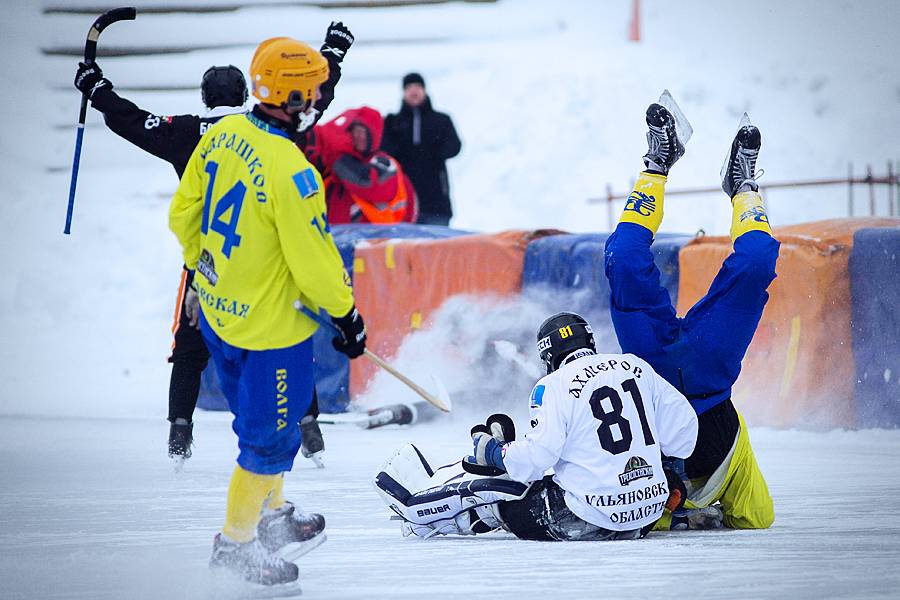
<point>549,99</point>
<point>93,509</point>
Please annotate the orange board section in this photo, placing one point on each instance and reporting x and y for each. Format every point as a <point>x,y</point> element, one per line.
<point>799,369</point>
<point>399,284</point>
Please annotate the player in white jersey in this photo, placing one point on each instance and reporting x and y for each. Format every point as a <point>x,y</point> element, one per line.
<point>601,422</point>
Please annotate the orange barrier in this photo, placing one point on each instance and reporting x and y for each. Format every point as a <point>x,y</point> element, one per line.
<point>799,369</point>
<point>399,284</point>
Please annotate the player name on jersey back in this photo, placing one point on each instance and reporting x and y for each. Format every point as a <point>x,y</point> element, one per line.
<point>600,414</point>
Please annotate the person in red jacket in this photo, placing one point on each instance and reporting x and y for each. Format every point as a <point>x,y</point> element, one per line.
<point>363,184</point>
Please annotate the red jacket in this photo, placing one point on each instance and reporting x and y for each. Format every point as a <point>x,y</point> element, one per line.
<point>360,187</point>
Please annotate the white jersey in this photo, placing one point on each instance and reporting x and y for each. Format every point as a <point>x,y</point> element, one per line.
<point>602,421</point>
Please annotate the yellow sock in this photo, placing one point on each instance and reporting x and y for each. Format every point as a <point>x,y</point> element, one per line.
<point>276,500</point>
<point>246,495</point>
<point>645,203</point>
<point>748,214</point>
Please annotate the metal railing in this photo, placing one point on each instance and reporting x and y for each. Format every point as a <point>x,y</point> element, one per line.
<point>891,180</point>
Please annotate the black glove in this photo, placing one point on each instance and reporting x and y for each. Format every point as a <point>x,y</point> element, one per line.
<point>353,334</point>
<point>89,78</point>
<point>338,40</point>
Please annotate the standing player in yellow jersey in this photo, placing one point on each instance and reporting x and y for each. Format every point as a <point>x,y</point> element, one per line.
<point>250,216</point>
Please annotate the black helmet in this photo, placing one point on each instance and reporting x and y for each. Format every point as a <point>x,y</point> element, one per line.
<point>562,334</point>
<point>223,86</point>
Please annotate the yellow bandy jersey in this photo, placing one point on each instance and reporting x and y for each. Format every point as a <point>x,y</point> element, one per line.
<point>250,216</point>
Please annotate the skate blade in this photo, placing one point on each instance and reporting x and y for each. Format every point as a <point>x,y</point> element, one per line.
<point>226,585</point>
<point>682,125</point>
<point>294,551</point>
<point>316,458</point>
<point>745,120</point>
<point>178,464</point>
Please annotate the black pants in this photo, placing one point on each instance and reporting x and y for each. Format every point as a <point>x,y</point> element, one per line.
<point>189,358</point>
<point>717,429</point>
<point>542,515</point>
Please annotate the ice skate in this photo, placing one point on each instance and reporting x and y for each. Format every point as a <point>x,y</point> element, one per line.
<point>395,414</point>
<point>253,564</point>
<point>739,172</point>
<point>312,444</point>
<point>181,438</point>
<point>710,517</point>
<point>290,533</point>
<point>664,147</point>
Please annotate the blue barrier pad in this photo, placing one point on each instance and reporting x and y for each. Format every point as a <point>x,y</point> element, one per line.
<point>566,272</point>
<point>332,367</point>
<point>875,295</point>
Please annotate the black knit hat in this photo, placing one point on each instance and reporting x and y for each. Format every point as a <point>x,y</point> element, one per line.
<point>413,78</point>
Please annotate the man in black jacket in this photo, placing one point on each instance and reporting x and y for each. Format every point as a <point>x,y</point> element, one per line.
<point>173,139</point>
<point>422,139</point>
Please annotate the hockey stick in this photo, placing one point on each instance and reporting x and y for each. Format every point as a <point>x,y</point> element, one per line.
<point>396,414</point>
<point>90,54</point>
<point>441,402</point>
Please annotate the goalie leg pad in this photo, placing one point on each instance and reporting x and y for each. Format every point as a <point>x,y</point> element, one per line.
<point>449,499</point>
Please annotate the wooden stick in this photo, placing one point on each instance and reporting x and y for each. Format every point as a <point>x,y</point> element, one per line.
<point>430,398</point>
<point>440,403</point>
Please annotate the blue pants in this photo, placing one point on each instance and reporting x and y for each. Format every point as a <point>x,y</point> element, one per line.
<point>701,353</point>
<point>268,391</point>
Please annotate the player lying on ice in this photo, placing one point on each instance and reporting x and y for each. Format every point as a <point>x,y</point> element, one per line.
<point>699,354</point>
<point>601,421</point>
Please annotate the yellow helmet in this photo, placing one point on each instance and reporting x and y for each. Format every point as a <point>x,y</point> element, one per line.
<point>285,71</point>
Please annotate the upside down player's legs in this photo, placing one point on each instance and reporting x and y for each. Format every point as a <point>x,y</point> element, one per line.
<point>640,307</point>
<point>721,325</point>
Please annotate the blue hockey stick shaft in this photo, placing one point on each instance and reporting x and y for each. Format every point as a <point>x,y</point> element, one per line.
<point>79,136</point>
<point>127,13</point>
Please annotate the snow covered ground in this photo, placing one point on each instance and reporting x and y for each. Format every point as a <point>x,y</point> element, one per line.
<point>549,100</point>
<point>92,509</point>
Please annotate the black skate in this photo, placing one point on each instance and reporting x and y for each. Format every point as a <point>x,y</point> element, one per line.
<point>289,532</point>
<point>664,147</point>
<point>252,562</point>
<point>312,443</point>
<point>395,414</point>
<point>181,438</point>
<point>739,170</point>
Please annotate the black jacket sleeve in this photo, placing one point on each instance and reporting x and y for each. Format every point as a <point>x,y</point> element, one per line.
<point>172,139</point>
<point>327,88</point>
<point>448,144</point>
